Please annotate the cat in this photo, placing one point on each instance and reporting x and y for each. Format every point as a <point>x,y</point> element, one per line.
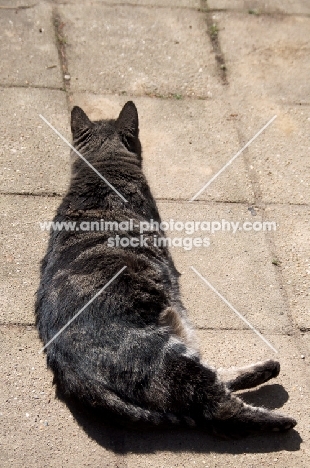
<point>132,351</point>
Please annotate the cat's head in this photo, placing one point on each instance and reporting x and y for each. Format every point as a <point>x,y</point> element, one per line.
<point>107,166</point>
<point>102,137</point>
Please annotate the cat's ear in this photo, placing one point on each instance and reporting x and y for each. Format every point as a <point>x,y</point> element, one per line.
<point>127,123</point>
<point>79,121</point>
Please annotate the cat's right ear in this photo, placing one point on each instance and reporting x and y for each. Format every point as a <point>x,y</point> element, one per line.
<point>127,126</point>
<point>127,123</point>
<point>79,121</point>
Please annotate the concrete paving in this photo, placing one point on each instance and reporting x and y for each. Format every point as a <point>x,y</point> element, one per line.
<point>292,248</point>
<point>39,430</point>
<point>267,55</point>
<point>230,264</point>
<point>206,77</point>
<point>29,53</point>
<point>256,7</point>
<point>157,3</point>
<point>139,50</point>
<point>169,124</point>
<point>23,244</point>
<point>279,159</point>
<point>34,159</point>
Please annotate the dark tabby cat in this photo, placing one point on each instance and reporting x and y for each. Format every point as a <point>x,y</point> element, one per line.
<point>132,350</point>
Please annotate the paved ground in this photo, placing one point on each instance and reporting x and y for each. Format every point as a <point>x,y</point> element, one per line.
<point>206,77</point>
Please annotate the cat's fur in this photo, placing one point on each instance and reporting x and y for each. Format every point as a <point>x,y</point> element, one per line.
<point>132,351</point>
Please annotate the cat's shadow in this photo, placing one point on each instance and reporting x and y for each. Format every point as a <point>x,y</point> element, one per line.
<point>122,440</point>
<point>269,396</point>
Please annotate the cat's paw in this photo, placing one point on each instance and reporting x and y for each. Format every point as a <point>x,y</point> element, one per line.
<point>251,376</point>
<point>270,370</point>
<point>284,424</point>
<point>248,422</point>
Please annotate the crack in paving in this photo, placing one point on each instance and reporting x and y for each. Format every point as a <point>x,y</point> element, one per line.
<point>20,7</point>
<point>295,330</point>
<point>213,32</point>
<point>260,12</point>
<point>253,177</point>
<point>18,325</point>
<point>33,194</point>
<point>184,201</point>
<point>201,328</point>
<point>60,45</point>
<point>30,86</point>
<point>134,5</point>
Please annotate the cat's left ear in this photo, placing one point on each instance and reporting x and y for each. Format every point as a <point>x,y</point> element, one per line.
<point>79,121</point>
<point>127,123</point>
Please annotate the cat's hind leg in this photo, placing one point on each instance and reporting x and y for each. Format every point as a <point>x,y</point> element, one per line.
<point>184,386</point>
<point>250,376</point>
<point>251,420</point>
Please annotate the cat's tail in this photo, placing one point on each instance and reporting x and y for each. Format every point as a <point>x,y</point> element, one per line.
<point>137,414</point>
<point>247,420</point>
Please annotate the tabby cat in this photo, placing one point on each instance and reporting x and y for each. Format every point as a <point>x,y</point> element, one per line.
<point>132,351</point>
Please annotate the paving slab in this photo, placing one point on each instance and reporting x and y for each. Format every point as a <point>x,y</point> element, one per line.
<point>266,55</point>
<point>292,247</point>
<point>22,247</point>
<point>38,430</point>
<point>262,6</point>
<point>244,275</point>
<point>139,50</point>
<point>161,49</point>
<point>151,3</point>
<point>239,266</point>
<point>21,4</point>
<point>185,142</point>
<point>32,157</point>
<point>305,339</point>
<point>12,4</point>
<point>29,53</point>
<point>279,160</point>
<point>287,394</point>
